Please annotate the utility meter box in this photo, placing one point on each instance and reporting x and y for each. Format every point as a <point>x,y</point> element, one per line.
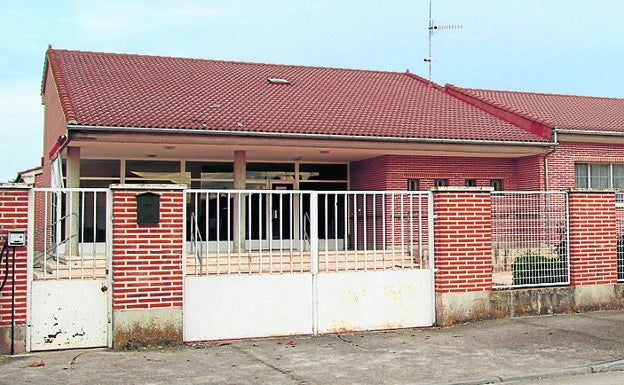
<point>16,238</point>
<point>148,208</point>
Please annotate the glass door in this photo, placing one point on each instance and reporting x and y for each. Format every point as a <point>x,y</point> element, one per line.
<point>281,211</point>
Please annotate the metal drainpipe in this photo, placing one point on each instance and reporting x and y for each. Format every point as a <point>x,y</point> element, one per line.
<point>555,143</point>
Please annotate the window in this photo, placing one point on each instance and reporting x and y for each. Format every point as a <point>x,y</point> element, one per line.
<point>497,184</point>
<point>471,183</point>
<point>617,176</point>
<point>310,176</point>
<point>325,172</point>
<point>441,182</point>
<point>153,171</point>
<point>99,172</point>
<point>413,185</point>
<point>581,171</point>
<point>599,175</point>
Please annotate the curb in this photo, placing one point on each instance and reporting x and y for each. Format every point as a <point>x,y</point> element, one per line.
<point>596,368</point>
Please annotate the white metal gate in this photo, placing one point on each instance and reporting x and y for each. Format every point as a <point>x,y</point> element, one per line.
<point>264,263</point>
<point>69,263</point>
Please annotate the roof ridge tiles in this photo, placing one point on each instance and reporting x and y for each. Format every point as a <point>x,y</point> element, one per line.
<point>242,62</point>
<point>502,106</point>
<point>538,93</point>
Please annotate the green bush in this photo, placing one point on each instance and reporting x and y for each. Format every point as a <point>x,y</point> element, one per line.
<point>534,269</point>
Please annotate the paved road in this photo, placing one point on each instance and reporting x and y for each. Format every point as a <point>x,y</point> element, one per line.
<point>481,352</point>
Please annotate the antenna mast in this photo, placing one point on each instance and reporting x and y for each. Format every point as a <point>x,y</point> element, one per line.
<point>433,27</point>
<point>428,58</point>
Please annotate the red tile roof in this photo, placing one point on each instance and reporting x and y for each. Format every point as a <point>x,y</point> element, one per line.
<point>120,90</point>
<point>570,112</point>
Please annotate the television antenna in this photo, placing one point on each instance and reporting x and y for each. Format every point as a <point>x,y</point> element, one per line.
<point>433,27</point>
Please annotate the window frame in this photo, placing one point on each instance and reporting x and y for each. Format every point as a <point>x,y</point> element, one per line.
<point>413,184</point>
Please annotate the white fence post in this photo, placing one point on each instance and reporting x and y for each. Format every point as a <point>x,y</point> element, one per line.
<point>314,258</point>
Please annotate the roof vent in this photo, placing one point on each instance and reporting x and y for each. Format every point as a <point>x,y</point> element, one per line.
<point>278,81</point>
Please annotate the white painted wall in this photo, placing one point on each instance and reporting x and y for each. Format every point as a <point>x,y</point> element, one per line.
<point>373,300</point>
<point>242,306</point>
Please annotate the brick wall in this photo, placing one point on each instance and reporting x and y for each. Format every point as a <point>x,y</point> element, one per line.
<point>463,241</point>
<point>592,238</point>
<point>530,173</point>
<point>369,174</point>
<point>13,216</point>
<point>147,259</point>
<point>392,172</point>
<point>561,162</point>
<point>54,125</point>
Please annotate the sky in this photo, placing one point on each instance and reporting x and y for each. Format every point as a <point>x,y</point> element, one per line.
<point>551,46</point>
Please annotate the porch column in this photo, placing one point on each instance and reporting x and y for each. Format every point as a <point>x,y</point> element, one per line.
<point>73,201</point>
<point>240,177</point>
<point>73,167</point>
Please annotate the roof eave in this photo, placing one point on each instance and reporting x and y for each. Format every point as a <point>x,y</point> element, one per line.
<point>573,131</point>
<point>159,130</point>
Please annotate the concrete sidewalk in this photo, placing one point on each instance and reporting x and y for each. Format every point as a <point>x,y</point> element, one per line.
<point>476,353</point>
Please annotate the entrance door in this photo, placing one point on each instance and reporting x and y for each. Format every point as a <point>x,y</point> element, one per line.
<point>70,296</point>
<point>69,314</point>
<point>281,211</point>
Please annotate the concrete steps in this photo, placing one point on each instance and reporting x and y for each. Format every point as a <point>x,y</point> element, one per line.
<point>296,261</point>
<point>254,262</point>
<point>72,267</point>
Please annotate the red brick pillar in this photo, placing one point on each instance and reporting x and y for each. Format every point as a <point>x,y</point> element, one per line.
<point>14,216</point>
<point>463,253</point>
<point>147,268</point>
<point>593,254</point>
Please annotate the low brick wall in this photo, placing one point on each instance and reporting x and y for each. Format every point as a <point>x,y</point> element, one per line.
<point>461,293</point>
<point>147,267</point>
<point>13,216</point>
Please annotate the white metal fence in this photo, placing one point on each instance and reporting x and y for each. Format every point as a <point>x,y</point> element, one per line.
<point>260,232</point>
<point>306,262</point>
<point>619,217</point>
<point>530,239</point>
<point>69,228</point>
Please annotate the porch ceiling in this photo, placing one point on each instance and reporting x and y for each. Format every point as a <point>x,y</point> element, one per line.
<point>169,147</point>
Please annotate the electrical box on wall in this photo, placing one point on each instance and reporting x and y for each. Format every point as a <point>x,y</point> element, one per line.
<point>148,208</point>
<point>16,238</point>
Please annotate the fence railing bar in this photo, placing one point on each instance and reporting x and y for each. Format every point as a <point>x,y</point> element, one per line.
<point>383,221</point>
<point>338,198</point>
<point>365,227</point>
<point>206,223</point>
<point>363,231</point>
<point>394,225</point>
<point>69,252</point>
<point>46,235</point>
<point>374,226</point>
<point>239,231</point>
<point>355,233</point>
<point>325,200</point>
